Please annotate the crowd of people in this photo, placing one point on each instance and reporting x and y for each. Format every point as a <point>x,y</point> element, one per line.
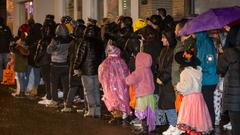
<point>150,74</point>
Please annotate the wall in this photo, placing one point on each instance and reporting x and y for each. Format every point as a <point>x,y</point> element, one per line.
<point>203,5</point>
<point>41,8</point>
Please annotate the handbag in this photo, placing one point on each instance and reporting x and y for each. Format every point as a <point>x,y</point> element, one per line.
<point>8,75</point>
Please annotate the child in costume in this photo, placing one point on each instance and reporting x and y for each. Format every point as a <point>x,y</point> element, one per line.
<point>112,73</point>
<point>193,117</point>
<point>142,80</point>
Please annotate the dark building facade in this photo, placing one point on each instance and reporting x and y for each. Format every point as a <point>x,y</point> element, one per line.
<point>3,9</point>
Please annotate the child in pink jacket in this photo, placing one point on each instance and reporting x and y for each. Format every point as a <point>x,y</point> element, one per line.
<point>142,81</point>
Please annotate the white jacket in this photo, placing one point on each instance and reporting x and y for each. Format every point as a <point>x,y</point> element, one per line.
<point>190,80</point>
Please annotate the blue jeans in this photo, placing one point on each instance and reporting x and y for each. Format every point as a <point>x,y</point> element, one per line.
<point>22,78</point>
<point>171,116</point>
<point>33,77</point>
<point>3,63</point>
<point>91,90</point>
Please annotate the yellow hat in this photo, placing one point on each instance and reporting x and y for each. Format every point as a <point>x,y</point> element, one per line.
<point>138,24</point>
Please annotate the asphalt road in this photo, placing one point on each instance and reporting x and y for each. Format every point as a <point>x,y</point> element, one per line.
<point>26,117</point>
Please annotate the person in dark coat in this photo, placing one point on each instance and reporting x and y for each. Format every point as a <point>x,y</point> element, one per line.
<point>166,89</point>
<point>229,67</point>
<point>89,56</point>
<point>120,33</point>
<point>42,58</point>
<point>74,80</point>
<point>168,22</point>
<point>5,38</point>
<point>33,71</point>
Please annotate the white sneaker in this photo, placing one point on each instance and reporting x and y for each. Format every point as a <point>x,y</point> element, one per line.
<point>44,102</point>
<point>177,131</point>
<point>227,126</point>
<point>44,97</point>
<point>171,129</point>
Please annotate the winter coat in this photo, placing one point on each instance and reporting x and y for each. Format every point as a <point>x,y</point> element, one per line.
<point>142,77</point>
<point>152,45</point>
<point>89,56</point>
<point>166,90</point>
<point>32,42</point>
<point>20,60</point>
<point>229,67</point>
<point>41,57</point>
<point>73,80</point>
<point>206,53</point>
<point>58,50</point>
<point>181,46</point>
<point>190,80</point>
<point>5,38</point>
<point>132,48</point>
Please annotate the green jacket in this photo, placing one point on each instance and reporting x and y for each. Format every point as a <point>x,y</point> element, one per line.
<point>20,61</point>
<point>188,43</point>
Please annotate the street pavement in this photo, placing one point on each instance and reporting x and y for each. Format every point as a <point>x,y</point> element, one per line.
<point>26,117</point>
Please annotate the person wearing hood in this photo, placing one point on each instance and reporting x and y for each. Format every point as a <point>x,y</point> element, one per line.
<point>111,73</point>
<point>142,80</point>
<point>229,67</point>
<point>75,85</point>
<point>207,54</point>
<point>89,56</point>
<point>58,48</point>
<point>166,90</point>
<point>193,116</point>
<point>132,47</point>
<point>42,58</point>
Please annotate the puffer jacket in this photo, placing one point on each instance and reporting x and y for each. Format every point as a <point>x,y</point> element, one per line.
<point>89,56</point>
<point>229,67</point>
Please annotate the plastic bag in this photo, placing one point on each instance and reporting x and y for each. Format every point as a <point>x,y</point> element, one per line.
<point>8,75</point>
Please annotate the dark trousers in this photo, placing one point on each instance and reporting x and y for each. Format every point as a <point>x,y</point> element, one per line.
<point>235,119</point>
<point>45,72</point>
<point>59,74</point>
<point>71,94</point>
<point>208,93</point>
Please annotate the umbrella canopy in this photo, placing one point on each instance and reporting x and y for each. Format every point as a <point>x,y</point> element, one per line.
<point>212,19</point>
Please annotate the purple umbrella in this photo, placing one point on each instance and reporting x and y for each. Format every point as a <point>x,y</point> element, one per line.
<point>212,19</point>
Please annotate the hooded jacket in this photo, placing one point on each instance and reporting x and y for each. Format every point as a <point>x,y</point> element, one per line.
<point>166,90</point>
<point>206,53</point>
<point>90,52</point>
<point>142,77</point>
